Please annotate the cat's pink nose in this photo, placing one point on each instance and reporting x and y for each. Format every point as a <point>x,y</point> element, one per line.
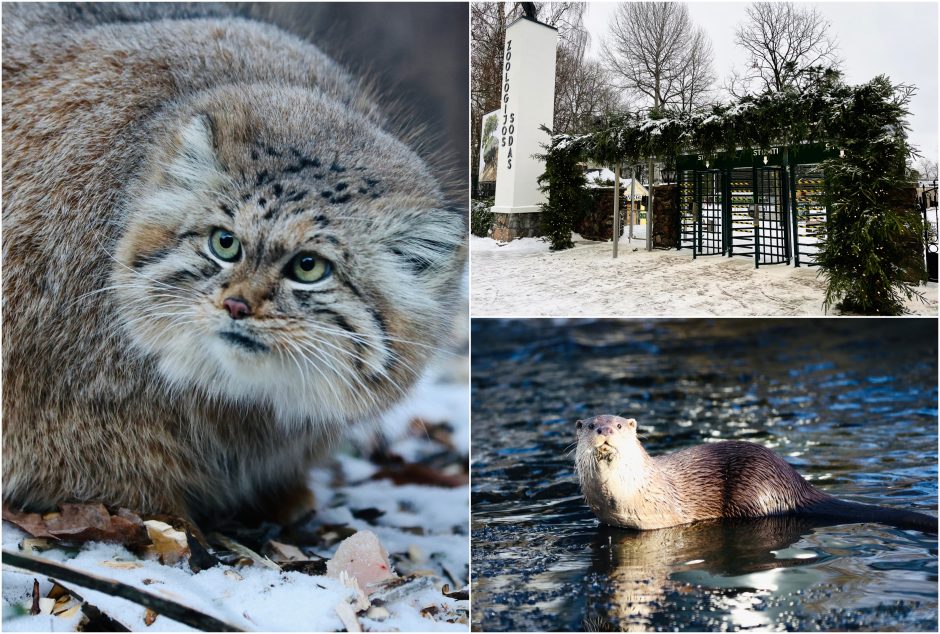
<point>237,307</point>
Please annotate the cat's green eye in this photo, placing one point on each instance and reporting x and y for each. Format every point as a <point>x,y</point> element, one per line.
<point>224,245</point>
<point>308,268</point>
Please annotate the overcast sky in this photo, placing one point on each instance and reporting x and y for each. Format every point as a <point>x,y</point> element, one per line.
<point>898,39</point>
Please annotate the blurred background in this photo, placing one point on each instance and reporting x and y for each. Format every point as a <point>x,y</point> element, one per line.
<point>416,54</point>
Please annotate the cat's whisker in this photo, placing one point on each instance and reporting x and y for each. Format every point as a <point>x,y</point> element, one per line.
<point>363,388</point>
<point>391,352</point>
<point>324,358</point>
<point>137,287</point>
<point>318,356</point>
<point>382,337</point>
<point>136,272</point>
<point>357,357</point>
<point>300,370</point>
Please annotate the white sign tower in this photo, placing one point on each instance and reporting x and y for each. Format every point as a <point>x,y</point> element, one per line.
<point>528,103</point>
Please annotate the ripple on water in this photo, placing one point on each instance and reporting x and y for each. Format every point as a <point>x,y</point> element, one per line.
<point>852,404</point>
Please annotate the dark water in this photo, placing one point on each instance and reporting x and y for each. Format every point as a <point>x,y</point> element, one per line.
<point>852,404</point>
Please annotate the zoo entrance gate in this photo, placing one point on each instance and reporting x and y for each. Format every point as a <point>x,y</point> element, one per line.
<point>764,204</point>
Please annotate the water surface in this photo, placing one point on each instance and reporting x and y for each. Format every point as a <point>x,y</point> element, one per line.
<point>852,404</point>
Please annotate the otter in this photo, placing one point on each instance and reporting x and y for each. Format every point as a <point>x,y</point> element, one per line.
<point>626,487</point>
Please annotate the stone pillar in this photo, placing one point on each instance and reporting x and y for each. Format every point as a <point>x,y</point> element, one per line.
<point>665,229</point>
<point>528,103</point>
<point>598,220</point>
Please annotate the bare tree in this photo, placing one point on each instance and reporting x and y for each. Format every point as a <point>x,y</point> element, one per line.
<point>583,98</point>
<point>658,54</point>
<point>487,39</point>
<point>696,84</point>
<point>782,40</point>
<point>927,168</point>
<point>578,93</point>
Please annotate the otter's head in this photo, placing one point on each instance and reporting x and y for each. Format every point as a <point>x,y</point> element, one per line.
<point>281,248</point>
<point>606,435</point>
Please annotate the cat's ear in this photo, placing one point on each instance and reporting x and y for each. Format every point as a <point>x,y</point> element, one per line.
<point>193,155</point>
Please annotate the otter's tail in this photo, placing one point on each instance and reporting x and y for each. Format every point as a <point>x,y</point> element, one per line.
<point>856,512</point>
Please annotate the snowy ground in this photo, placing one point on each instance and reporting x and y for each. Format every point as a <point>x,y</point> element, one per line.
<point>524,279</point>
<point>424,529</point>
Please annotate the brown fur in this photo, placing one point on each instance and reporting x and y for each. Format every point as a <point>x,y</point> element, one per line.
<point>624,486</point>
<point>95,117</point>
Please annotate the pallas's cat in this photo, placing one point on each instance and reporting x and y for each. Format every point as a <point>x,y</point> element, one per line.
<point>216,260</point>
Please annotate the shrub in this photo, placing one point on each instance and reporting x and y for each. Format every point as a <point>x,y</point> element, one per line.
<point>481,218</point>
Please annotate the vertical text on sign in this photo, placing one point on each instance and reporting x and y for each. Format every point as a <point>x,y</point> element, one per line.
<point>509,118</point>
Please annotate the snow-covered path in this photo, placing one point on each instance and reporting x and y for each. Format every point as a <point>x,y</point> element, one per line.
<point>524,279</point>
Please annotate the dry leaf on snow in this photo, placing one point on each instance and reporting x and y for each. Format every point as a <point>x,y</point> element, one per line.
<point>81,523</point>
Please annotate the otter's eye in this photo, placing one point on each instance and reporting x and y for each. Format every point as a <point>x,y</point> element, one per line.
<point>619,426</point>
<point>308,268</point>
<point>224,245</point>
<point>591,426</point>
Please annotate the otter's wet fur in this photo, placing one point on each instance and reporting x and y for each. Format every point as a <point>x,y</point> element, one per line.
<point>625,486</point>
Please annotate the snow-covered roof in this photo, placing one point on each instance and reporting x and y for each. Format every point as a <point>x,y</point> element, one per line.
<point>595,176</point>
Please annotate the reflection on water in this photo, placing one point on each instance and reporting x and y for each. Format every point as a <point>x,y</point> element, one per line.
<point>852,404</point>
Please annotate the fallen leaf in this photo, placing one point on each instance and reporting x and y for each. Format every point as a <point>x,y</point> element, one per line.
<point>199,557</point>
<point>441,433</point>
<point>367,515</point>
<point>45,605</point>
<point>398,588</point>
<point>415,473</point>
<point>362,557</point>
<point>149,617</point>
<point>69,613</point>
<point>457,595</point>
<point>169,543</point>
<point>32,523</point>
<point>243,551</point>
<point>34,608</point>
<point>122,565</point>
<point>281,553</point>
<point>313,567</point>
<point>329,534</point>
<point>81,523</point>
<point>36,543</point>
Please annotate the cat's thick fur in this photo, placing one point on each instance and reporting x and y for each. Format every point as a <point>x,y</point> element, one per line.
<point>129,136</point>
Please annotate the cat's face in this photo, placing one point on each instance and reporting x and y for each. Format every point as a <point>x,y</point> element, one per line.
<point>286,251</point>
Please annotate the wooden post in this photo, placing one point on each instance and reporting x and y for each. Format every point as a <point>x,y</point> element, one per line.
<point>616,223</point>
<point>649,211</point>
<point>632,200</point>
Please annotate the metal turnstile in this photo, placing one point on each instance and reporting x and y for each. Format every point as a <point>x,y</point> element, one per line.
<point>708,213</point>
<point>771,233</point>
<point>741,212</point>
<point>809,213</point>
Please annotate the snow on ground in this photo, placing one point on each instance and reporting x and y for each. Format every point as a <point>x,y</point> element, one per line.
<point>423,528</point>
<point>524,279</point>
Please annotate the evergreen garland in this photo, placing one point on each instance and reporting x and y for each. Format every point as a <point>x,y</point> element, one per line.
<point>870,255</point>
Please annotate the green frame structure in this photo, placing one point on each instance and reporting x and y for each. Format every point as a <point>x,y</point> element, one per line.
<point>763,203</point>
